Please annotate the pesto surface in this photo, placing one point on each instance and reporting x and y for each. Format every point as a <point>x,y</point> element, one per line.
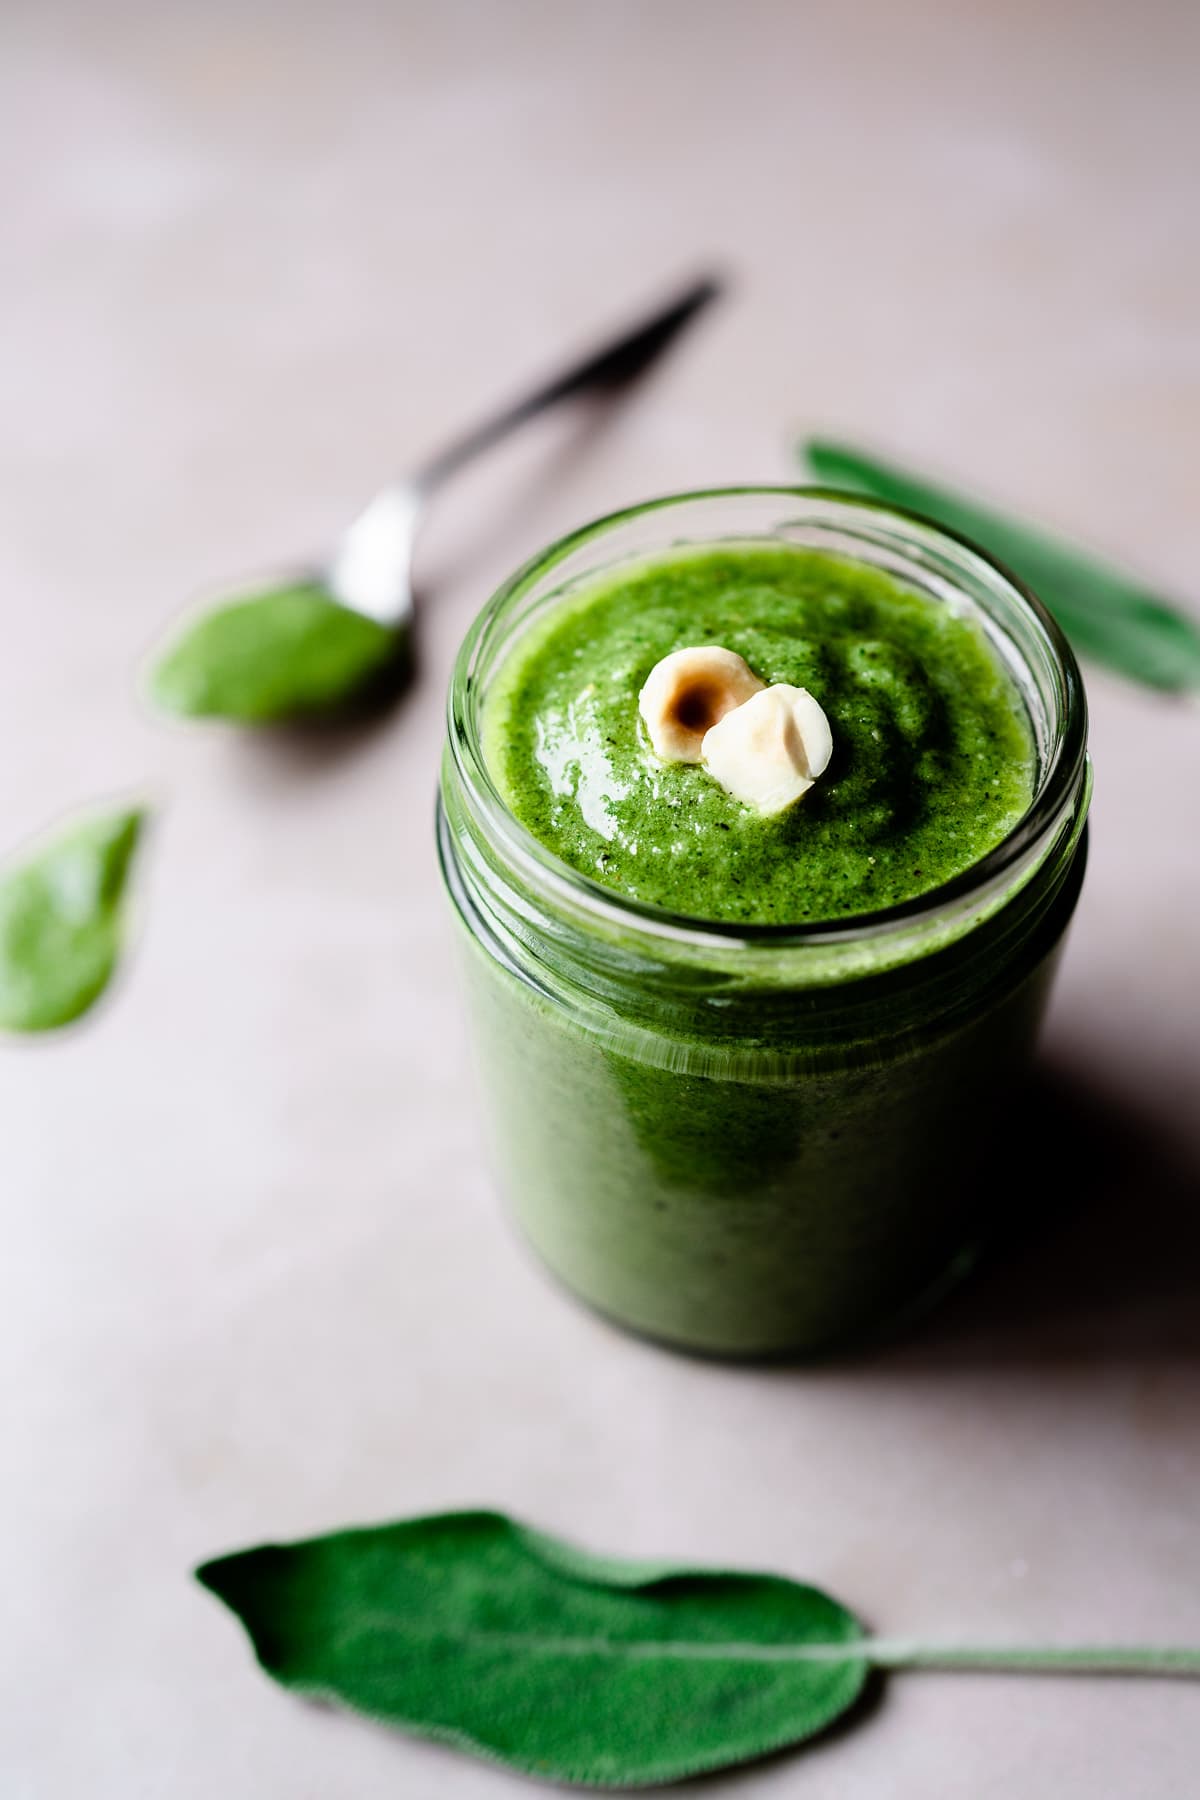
<point>933,756</point>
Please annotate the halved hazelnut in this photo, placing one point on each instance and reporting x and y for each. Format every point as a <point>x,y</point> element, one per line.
<point>768,753</point>
<point>689,692</point>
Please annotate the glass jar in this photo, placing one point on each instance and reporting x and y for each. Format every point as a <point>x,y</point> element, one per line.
<point>758,1140</point>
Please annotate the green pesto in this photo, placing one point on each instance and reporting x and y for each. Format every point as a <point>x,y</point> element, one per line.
<point>933,758</point>
<point>284,653</point>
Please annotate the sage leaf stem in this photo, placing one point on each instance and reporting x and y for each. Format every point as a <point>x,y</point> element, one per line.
<point>1037,1659</point>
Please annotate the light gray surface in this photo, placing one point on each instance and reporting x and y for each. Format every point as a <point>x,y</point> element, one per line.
<point>254,1281</point>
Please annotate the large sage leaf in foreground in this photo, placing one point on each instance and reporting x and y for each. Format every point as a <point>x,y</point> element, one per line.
<point>475,1630</point>
<point>286,653</point>
<point>482,1633</point>
<point>1106,615</point>
<point>61,921</point>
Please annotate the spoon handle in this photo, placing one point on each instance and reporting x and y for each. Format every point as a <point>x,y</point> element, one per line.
<point>607,367</point>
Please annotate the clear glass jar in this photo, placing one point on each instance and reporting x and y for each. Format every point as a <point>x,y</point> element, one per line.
<point>758,1140</point>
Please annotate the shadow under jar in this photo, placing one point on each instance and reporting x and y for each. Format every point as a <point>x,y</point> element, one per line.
<point>759,1140</point>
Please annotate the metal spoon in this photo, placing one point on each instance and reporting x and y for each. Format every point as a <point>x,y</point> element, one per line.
<point>370,571</point>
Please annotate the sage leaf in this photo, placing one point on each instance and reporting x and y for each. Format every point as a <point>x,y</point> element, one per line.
<point>1107,615</point>
<point>282,654</point>
<point>480,1632</point>
<point>62,915</point>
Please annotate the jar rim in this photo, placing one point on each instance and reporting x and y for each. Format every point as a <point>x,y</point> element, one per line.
<point>1064,773</point>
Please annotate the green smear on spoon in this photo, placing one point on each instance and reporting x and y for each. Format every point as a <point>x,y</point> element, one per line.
<point>281,654</point>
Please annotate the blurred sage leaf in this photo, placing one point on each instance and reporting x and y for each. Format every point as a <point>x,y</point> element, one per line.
<point>281,654</point>
<point>62,916</point>
<point>477,1631</point>
<point>1107,615</point>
